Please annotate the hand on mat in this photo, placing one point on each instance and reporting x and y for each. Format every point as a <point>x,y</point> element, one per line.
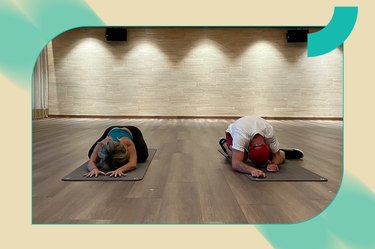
<point>116,173</point>
<point>257,173</point>
<point>94,172</point>
<point>272,167</point>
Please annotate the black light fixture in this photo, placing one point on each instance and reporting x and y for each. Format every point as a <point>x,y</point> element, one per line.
<point>116,34</point>
<point>297,35</point>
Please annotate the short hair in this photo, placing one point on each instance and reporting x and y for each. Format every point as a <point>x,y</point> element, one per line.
<point>112,155</point>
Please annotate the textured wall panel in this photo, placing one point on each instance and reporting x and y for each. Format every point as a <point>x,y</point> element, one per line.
<point>192,71</point>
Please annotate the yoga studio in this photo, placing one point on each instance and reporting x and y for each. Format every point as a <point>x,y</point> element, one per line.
<point>129,126</point>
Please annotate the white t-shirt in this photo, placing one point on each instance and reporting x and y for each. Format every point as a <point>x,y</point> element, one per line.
<point>244,129</point>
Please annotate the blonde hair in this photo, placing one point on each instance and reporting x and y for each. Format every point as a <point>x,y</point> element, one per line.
<point>112,155</point>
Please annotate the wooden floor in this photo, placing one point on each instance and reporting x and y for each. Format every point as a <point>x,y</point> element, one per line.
<point>188,181</point>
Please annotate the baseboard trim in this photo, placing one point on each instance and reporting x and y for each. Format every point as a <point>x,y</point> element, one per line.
<point>189,117</point>
<point>39,113</point>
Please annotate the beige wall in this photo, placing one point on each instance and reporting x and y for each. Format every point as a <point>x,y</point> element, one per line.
<point>192,71</point>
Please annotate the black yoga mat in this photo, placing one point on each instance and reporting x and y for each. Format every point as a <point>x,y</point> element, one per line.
<point>289,171</point>
<point>135,175</point>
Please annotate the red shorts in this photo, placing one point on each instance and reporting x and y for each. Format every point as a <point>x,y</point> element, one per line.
<point>229,139</point>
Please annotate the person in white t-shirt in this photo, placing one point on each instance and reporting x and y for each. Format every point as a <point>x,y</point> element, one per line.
<point>253,137</point>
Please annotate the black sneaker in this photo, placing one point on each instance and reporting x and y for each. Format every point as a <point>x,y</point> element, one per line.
<point>293,153</point>
<point>222,141</point>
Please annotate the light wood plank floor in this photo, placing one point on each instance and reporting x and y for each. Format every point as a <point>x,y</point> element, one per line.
<point>188,181</point>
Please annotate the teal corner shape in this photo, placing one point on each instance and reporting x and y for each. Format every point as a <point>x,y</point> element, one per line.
<point>334,34</point>
<point>30,25</point>
<point>346,223</point>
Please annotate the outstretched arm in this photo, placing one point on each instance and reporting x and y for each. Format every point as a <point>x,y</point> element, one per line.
<point>238,165</point>
<point>91,166</point>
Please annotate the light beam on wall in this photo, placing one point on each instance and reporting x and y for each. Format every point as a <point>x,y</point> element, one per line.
<point>146,55</point>
<point>84,52</point>
<point>264,52</point>
<point>206,55</point>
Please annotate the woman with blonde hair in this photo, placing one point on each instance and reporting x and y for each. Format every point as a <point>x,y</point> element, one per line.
<point>117,151</point>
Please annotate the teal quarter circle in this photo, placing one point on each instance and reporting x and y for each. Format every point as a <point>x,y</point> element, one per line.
<point>334,34</point>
